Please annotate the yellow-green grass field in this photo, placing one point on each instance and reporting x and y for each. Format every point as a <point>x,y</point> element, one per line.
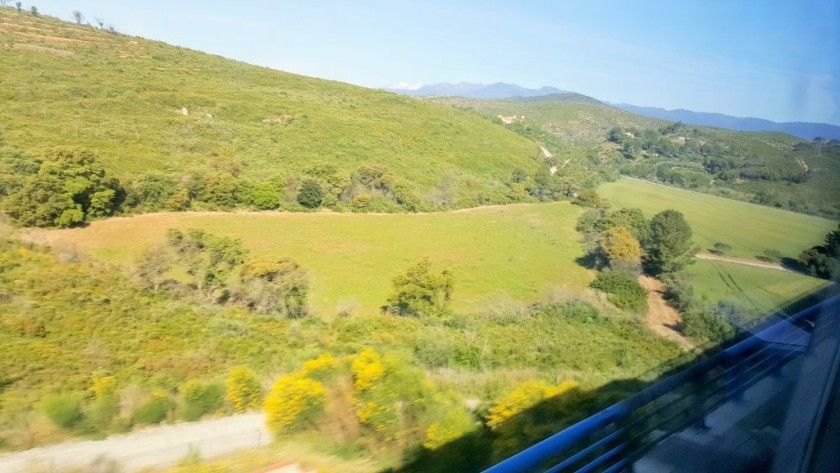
<point>761,289</point>
<point>517,251</point>
<point>749,228</point>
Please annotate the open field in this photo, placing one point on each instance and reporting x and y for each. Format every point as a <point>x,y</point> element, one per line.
<point>750,229</point>
<point>521,251</point>
<point>758,288</point>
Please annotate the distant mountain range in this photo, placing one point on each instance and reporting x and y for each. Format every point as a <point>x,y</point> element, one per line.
<point>807,131</point>
<point>499,90</point>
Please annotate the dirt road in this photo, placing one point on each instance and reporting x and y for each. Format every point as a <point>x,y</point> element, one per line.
<point>744,261</point>
<point>155,446</point>
<point>661,318</point>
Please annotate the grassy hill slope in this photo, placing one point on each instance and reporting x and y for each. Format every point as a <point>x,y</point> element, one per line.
<point>148,106</point>
<point>520,251</point>
<point>773,169</point>
<point>748,228</point>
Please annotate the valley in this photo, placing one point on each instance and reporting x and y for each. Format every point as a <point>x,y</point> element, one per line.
<point>358,280</point>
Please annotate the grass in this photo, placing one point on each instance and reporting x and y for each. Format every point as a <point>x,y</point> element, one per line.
<point>520,251</point>
<point>761,289</point>
<point>750,229</point>
<point>122,97</point>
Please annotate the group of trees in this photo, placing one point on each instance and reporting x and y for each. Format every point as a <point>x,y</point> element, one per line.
<point>64,189</point>
<point>219,271</point>
<point>823,261</point>
<point>621,243</point>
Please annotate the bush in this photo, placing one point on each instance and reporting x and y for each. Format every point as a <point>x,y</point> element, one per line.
<point>155,410</point>
<point>623,289</point>
<point>720,248</point>
<point>200,399</point>
<point>293,401</point>
<point>706,325</point>
<point>310,194</point>
<point>243,390</point>
<point>64,410</point>
<point>421,292</point>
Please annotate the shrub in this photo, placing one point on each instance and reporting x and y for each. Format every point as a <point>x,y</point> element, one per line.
<point>155,410</point>
<point>243,390</point>
<point>706,325</point>
<point>420,291</point>
<point>310,194</point>
<point>523,397</point>
<point>293,401</point>
<point>64,410</point>
<point>623,289</point>
<point>721,248</point>
<point>200,399</point>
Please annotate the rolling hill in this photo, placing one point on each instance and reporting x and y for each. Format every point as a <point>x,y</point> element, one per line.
<point>147,107</point>
<point>806,131</point>
<point>769,168</point>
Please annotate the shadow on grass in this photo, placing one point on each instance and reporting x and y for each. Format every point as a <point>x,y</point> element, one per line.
<point>484,447</point>
<point>588,261</point>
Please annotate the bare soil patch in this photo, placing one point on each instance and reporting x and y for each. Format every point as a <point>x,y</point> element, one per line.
<point>661,318</point>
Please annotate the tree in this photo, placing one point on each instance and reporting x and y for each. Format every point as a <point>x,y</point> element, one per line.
<point>18,5</point>
<point>34,10</point>
<point>210,259</point>
<point>823,261</point>
<point>621,248</point>
<point>243,390</point>
<point>310,194</point>
<point>669,247</point>
<point>420,291</point>
<point>78,17</point>
<point>269,286</point>
<point>70,188</point>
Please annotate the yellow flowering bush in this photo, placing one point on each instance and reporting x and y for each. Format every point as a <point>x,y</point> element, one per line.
<point>243,390</point>
<point>523,397</point>
<point>293,400</point>
<point>367,368</point>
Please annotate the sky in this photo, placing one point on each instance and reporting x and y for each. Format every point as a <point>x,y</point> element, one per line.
<point>772,59</point>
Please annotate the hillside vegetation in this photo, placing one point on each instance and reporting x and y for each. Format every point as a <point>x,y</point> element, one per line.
<point>221,130</point>
<point>771,169</point>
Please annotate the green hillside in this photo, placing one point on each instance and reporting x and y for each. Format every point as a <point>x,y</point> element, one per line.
<point>520,252</point>
<point>748,228</point>
<point>145,106</point>
<point>771,169</point>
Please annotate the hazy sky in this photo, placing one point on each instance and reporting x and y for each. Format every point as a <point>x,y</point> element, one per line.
<point>774,59</point>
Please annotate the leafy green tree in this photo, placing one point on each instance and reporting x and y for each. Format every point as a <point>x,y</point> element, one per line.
<point>310,194</point>
<point>281,286</point>
<point>209,259</point>
<point>669,247</point>
<point>823,261</point>
<point>69,188</point>
<point>421,291</point>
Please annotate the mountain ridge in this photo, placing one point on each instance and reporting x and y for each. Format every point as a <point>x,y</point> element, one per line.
<point>496,90</point>
<point>804,130</point>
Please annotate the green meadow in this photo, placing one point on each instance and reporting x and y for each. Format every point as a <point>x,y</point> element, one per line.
<point>518,251</point>
<point>749,228</point>
<point>758,288</point>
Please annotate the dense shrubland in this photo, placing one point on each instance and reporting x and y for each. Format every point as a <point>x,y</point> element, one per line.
<point>68,188</point>
<point>88,351</point>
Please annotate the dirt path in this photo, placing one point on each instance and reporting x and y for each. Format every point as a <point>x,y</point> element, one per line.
<point>662,319</point>
<point>747,262</point>
<point>155,446</point>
